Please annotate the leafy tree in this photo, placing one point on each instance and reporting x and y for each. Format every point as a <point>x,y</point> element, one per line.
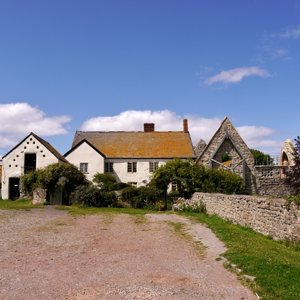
<point>106,181</point>
<point>293,175</point>
<point>175,171</point>
<point>190,178</point>
<point>261,158</point>
<point>53,176</point>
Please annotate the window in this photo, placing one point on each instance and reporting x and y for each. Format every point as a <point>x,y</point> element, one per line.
<point>29,162</point>
<point>174,186</point>
<point>131,167</point>
<point>153,166</point>
<point>267,172</point>
<point>83,167</point>
<point>109,167</point>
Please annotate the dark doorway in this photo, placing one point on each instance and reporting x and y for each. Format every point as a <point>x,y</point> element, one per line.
<point>30,162</point>
<point>14,188</point>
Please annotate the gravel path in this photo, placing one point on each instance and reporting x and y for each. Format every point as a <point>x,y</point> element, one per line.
<point>48,254</point>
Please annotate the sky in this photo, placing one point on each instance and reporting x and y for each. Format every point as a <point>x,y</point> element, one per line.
<point>107,65</point>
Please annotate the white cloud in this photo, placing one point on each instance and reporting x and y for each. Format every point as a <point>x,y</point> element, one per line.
<point>236,75</point>
<point>165,120</point>
<point>19,119</point>
<point>259,137</point>
<point>291,34</point>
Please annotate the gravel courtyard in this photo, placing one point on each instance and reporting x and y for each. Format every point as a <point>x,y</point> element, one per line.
<point>48,254</point>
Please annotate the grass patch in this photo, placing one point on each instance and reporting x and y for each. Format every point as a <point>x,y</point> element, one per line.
<point>18,204</point>
<point>83,210</point>
<point>275,265</point>
<point>180,229</point>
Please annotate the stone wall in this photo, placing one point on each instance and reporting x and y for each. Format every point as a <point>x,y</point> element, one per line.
<point>270,181</point>
<point>39,196</point>
<point>273,217</point>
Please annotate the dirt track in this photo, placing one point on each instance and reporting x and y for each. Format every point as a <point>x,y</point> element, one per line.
<point>47,254</point>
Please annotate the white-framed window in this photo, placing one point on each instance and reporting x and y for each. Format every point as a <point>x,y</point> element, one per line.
<point>174,186</point>
<point>83,167</point>
<point>131,167</point>
<point>109,167</point>
<point>153,166</point>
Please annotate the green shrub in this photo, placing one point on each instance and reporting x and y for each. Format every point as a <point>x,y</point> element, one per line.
<point>141,197</point>
<point>53,176</point>
<point>129,193</point>
<point>106,181</point>
<point>222,181</point>
<point>295,199</point>
<point>90,195</point>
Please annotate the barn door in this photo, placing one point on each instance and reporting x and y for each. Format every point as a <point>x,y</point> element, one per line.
<point>14,188</point>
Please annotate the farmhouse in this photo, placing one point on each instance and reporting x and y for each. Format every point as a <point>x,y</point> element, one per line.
<point>131,156</point>
<point>31,153</point>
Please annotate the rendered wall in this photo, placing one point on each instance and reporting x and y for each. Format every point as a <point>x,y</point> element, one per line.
<point>13,163</point>
<point>86,154</point>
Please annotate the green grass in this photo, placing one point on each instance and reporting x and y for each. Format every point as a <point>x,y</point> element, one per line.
<point>275,265</point>
<point>18,204</point>
<point>83,210</point>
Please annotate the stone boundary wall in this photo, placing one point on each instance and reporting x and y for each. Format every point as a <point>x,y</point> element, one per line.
<point>273,217</point>
<point>39,196</point>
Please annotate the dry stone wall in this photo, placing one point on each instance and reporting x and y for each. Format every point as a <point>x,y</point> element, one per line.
<point>273,217</point>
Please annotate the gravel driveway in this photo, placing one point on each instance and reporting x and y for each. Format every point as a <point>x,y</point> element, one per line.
<point>48,254</point>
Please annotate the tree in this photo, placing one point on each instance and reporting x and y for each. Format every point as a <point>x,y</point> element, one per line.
<point>190,177</point>
<point>57,175</point>
<point>261,158</point>
<point>105,182</point>
<point>175,171</point>
<point>293,174</point>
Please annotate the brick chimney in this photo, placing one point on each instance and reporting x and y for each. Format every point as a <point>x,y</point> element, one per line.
<point>185,126</point>
<point>149,127</point>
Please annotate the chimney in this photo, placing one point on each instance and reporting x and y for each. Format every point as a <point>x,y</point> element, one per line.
<point>185,126</point>
<point>149,127</point>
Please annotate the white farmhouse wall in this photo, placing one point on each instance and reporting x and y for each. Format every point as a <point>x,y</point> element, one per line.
<point>141,177</point>
<point>84,153</point>
<point>13,163</point>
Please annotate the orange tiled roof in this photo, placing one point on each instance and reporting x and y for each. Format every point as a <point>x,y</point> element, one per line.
<point>139,144</point>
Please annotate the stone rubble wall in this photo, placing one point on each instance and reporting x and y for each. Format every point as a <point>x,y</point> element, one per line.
<point>39,196</point>
<point>271,181</point>
<point>269,216</point>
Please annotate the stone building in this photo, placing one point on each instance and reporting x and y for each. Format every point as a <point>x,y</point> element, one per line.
<point>228,150</point>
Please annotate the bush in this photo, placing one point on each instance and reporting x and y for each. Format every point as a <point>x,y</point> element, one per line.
<point>90,195</point>
<point>190,178</point>
<point>222,181</point>
<point>53,176</point>
<point>106,181</point>
<point>141,197</point>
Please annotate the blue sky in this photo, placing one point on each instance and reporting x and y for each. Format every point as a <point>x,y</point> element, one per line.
<point>115,64</point>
